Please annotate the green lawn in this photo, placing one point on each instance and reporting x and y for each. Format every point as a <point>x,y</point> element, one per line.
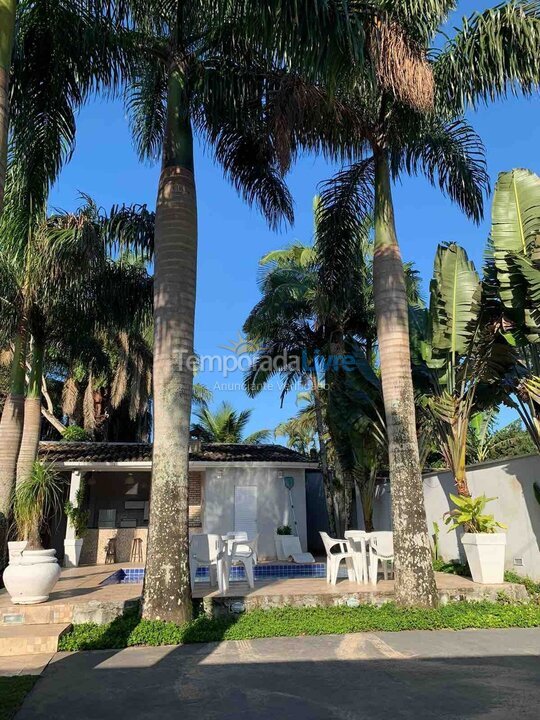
<point>12,693</point>
<point>130,630</point>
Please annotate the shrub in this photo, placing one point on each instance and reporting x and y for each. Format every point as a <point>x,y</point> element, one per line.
<point>75,513</point>
<point>469,514</point>
<point>284,530</point>
<point>75,433</point>
<point>452,567</point>
<point>532,587</point>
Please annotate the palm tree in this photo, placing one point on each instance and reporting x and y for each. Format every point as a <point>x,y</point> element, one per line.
<point>493,51</point>
<point>315,310</point>
<point>7,30</point>
<point>50,290</point>
<point>226,425</point>
<point>62,51</point>
<point>206,68</point>
<point>212,67</point>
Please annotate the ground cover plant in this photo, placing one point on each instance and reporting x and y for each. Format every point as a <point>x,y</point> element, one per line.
<point>291,622</point>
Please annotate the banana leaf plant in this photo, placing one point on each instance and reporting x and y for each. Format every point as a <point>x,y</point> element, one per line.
<point>462,355</point>
<point>514,270</point>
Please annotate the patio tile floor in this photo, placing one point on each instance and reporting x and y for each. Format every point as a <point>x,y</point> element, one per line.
<point>79,597</point>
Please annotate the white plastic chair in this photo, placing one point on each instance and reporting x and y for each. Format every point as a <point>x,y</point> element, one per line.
<point>381,549</point>
<point>243,552</point>
<point>209,551</point>
<point>334,559</point>
<point>236,535</point>
<point>357,540</point>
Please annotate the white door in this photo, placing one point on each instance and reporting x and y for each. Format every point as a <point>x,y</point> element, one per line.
<point>245,509</point>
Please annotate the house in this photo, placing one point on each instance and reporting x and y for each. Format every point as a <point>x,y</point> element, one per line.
<point>231,487</point>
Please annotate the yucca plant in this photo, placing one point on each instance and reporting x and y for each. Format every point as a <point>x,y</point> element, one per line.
<point>35,500</point>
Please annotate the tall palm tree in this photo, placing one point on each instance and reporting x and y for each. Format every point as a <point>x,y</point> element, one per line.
<point>62,51</point>
<point>7,31</point>
<point>226,425</point>
<point>492,52</point>
<point>50,290</point>
<point>205,69</point>
<point>315,311</point>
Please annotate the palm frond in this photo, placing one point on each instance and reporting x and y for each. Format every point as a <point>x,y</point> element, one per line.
<point>493,53</point>
<point>258,437</point>
<point>340,220</point>
<point>450,154</point>
<point>250,163</point>
<point>146,103</point>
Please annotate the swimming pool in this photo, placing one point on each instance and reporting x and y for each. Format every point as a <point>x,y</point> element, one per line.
<point>262,571</point>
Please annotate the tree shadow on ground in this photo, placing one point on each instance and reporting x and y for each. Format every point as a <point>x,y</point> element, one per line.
<point>375,676</point>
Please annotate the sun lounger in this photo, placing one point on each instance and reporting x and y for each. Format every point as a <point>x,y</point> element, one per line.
<point>293,550</point>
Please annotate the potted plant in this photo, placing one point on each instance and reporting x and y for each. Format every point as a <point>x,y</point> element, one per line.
<point>33,572</point>
<point>78,520</point>
<point>280,531</point>
<point>484,546</point>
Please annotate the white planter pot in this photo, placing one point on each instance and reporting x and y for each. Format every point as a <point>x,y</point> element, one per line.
<point>15,548</point>
<point>72,552</point>
<point>485,555</point>
<point>31,579</point>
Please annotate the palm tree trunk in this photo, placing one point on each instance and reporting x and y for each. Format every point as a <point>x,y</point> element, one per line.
<point>32,416</point>
<point>11,429</point>
<point>325,470</point>
<point>415,581</point>
<point>7,28</point>
<point>167,589</point>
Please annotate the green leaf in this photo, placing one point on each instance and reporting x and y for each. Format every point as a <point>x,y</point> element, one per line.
<point>514,245</point>
<point>455,299</point>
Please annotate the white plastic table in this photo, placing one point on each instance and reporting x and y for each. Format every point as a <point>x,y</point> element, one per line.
<point>355,538</point>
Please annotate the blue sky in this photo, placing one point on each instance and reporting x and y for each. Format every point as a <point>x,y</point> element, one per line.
<point>232,237</point>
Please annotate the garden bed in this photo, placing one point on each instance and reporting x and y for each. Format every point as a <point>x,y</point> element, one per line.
<point>289,622</point>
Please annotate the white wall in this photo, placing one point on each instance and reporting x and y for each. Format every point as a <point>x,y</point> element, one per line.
<point>273,508</point>
<point>511,482</point>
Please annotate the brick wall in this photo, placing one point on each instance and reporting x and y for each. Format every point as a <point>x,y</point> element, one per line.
<point>195,499</point>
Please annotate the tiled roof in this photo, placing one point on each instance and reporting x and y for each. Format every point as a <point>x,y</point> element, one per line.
<point>62,451</point>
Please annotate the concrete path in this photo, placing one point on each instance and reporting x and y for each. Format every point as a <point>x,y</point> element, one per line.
<point>476,674</point>
<point>24,664</point>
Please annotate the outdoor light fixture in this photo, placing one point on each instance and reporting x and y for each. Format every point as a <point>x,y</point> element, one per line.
<point>130,480</point>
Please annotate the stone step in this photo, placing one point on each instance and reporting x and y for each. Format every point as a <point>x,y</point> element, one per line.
<point>30,639</point>
<point>42,614</point>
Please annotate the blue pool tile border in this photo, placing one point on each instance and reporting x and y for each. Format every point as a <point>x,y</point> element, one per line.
<point>261,572</point>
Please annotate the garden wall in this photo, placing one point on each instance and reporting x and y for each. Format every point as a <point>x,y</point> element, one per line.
<point>511,482</point>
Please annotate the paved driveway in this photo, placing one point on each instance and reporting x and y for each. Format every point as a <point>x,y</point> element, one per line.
<point>377,676</point>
